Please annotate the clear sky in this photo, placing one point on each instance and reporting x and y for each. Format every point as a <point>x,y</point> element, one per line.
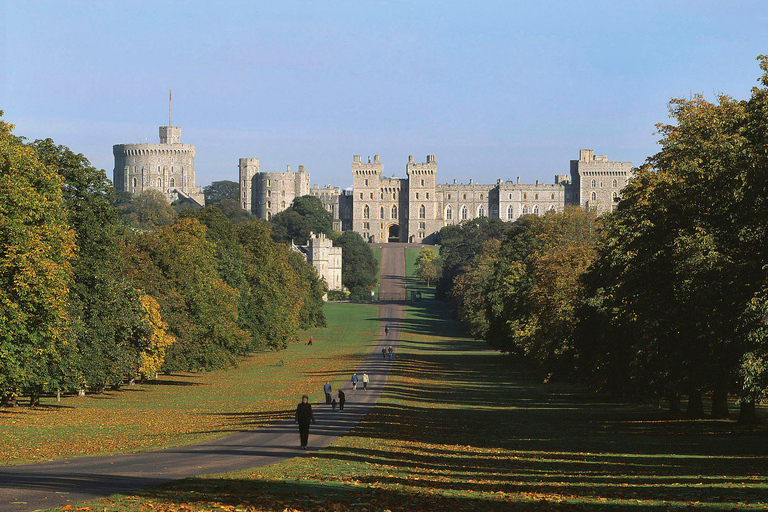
<point>494,89</point>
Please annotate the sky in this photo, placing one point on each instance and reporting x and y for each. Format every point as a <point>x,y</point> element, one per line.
<point>494,89</point>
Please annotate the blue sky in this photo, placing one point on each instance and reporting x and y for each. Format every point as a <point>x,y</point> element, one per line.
<point>494,89</point>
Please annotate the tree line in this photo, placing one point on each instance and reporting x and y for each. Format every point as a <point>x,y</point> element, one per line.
<point>99,288</point>
<point>664,298</point>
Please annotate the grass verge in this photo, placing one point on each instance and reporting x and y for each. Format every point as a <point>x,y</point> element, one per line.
<point>461,428</point>
<point>186,408</point>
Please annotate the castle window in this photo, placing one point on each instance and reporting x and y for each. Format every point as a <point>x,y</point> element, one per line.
<point>535,196</point>
<point>601,184</point>
<point>134,182</point>
<point>422,225</point>
<point>366,212</point>
<point>269,204</point>
<point>615,196</point>
<point>159,183</point>
<point>481,211</point>
<point>552,208</point>
<point>422,212</point>
<point>481,196</point>
<point>449,196</point>
<point>552,196</point>
<point>594,196</point>
<point>366,183</point>
<point>173,182</point>
<point>371,194</point>
<point>525,210</point>
<point>615,184</point>
<point>269,215</point>
<point>465,196</point>
<point>463,212</point>
<point>525,196</point>
<point>510,213</point>
<point>268,182</point>
<point>282,205</point>
<point>394,195</point>
<point>417,195</point>
<point>427,195</point>
<point>282,193</point>
<point>269,193</point>
<point>382,212</point>
<point>422,183</point>
<point>594,183</point>
<point>361,195</point>
<point>510,196</point>
<point>394,212</point>
<point>448,212</point>
<point>366,225</point>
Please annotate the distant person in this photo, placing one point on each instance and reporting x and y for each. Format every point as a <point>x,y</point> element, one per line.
<point>354,381</point>
<point>310,340</point>
<point>304,417</point>
<point>391,353</point>
<point>328,391</point>
<point>342,400</point>
<point>333,405</point>
<point>386,329</point>
<point>384,353</point>
<point>365,381</point>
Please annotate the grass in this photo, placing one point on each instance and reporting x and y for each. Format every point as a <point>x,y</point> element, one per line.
<point>461,428</point>
<point>186,408</point>
<point>414,283</point>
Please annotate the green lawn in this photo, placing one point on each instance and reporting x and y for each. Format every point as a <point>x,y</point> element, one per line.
<point>462,428</point>
<point>186,408</point>
<point>412,281</point>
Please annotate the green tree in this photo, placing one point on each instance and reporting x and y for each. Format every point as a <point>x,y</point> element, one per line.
<point>149,210</point>
<point>359,268</point>
<point>218,191</point>
<point>36,249</point>
<point>306,214</point>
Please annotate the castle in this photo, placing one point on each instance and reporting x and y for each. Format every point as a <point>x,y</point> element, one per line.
<point>415,208</point>
<point>168,167</point>
<point>321,254</point>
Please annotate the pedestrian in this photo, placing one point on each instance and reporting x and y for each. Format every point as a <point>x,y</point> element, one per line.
<point>328,390</point>
<point>386,329</point>
<point>333,405</point>
<point>365,381</point>
<point>391,354</point>
<point>354,381</point>
<point>342,399</point>
<point>304,417</point>
<point>310,340</point>
<point>384,353</point>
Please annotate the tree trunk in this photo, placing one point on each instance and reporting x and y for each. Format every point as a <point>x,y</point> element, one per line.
<point>695,405</point>
<point>747,412</point>
<point>675,407</point>
<point>720,404</point>
<point>9,401</point>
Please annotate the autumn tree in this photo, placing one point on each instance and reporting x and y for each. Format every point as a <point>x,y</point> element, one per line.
<point>37,246</point>
<point>149,210</point>
<point>359,268</point>
<point>428,265</point>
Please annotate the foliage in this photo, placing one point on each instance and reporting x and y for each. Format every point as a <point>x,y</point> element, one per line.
<point>37,246</point>
<point>305,215</point>
<point>459,243</point>
<point>429,266</point>
<point>153,356</point>
<point>234,212</point>
<point>359,268</point>
<point>219,191</point>
<point>149,210</point>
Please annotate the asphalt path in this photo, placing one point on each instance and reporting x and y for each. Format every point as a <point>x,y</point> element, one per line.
<point>58,483</point>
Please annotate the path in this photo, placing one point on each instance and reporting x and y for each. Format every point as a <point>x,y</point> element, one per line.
<point>57,483</point>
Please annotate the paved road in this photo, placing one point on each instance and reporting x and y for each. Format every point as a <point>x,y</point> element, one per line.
<point>54,484</point>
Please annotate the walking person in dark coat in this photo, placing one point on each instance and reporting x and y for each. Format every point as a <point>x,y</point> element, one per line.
<point>342,399</point>
<point>304,417</point>
<point>327,388</point>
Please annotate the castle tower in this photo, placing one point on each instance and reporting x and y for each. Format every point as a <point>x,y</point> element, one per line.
<point>423,215</point>
<point>366,182</point>
<point>168,167</point>
<point>597,182</point>
<point>248,168</point>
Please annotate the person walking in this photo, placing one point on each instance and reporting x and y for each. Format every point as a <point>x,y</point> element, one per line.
<point>304,417</point>
<point>386,330</point>
<point>342,399</point>
<point>328,390</point>
<point>354,381</point>
<point>365,381</point>
<point>383,353</point>
<point>333,405</point>
<point>391,354</point>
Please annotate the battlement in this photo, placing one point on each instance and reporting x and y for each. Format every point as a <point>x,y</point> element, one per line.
<point>170,135</point>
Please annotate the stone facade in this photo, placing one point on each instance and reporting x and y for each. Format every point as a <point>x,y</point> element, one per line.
<point>168,167</point>
<point>265,194</point>
<point>325,258</point>
<point>415,208</point>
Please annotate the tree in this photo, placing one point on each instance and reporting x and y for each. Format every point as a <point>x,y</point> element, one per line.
<point>149,210</point>
<point>234,212</point>
<point>305,215</point>
<point>36,249</point>
<point>359,268</point>
<point>428,265</point>
<point>218,191</point>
